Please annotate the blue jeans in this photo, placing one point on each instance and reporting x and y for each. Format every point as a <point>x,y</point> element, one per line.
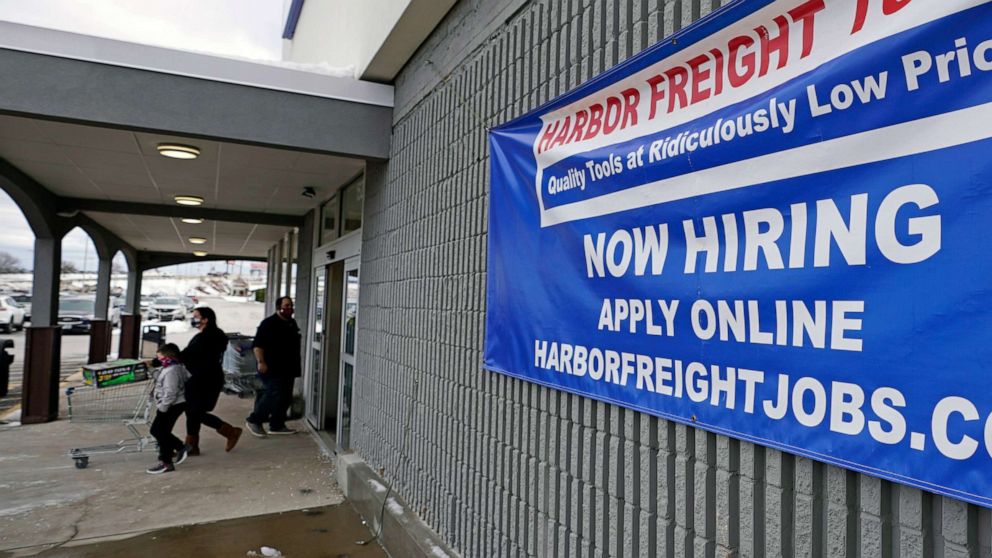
<point>273,400</point>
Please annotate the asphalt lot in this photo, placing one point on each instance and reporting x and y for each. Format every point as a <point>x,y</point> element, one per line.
<point>232,317</point>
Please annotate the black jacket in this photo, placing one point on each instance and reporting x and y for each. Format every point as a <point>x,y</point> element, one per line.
<point>280,340</point>
<point>204,356</point>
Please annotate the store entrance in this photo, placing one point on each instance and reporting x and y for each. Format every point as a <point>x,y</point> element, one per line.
<point>332,351</point>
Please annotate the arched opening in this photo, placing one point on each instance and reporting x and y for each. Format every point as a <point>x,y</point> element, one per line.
<point>118,281</point>
<point>79,304</point>
<point>16,263</point>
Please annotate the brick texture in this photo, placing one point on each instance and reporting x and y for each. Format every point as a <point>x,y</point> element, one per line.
<point>500,467</point>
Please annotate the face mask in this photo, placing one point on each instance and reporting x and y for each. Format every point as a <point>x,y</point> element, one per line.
<point>286,313</point>
<point>195,323</point>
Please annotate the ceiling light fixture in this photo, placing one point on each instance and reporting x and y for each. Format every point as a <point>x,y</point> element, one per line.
<point>178,151</point>
<point>199,253</point>
<point>197,240</point>
<point>189,200</point>
<point>191,220</point>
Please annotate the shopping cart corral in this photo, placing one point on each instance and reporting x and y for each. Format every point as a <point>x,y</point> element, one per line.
<point>128,404</point>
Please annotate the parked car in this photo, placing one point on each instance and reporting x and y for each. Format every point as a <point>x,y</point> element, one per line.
<point>11,314</point>
<point>76,313</point>
<point>190,302</point>
<point>24,300</point>
<point>167,309</point>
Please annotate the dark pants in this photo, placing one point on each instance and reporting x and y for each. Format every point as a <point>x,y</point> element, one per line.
<point>273,400</point>
<point>201,398</point>
<point>161,429</point>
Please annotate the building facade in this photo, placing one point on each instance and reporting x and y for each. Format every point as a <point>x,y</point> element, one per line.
<point>500,467</point>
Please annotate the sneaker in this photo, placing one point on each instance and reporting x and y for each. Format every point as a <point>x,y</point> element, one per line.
<point>281,430</point>
<point>181,455</point>
<point>161,467</point>
<point>256,429</point>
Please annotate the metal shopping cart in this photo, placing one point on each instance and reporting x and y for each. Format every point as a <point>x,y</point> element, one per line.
<point>240,375</point>
<point>129,404</point>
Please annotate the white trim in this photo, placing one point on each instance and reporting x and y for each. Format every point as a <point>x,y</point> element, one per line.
<point>62,44</point>
<point>891,142</point>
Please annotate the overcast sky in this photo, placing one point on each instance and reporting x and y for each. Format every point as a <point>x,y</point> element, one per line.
<point>241,28</point>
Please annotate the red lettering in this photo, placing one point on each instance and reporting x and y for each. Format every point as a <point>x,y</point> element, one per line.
<point>804,14</point>
<point>890,7</point>
<point>747,61</point>
<point>718,73</point>
<point>549,134</point>
<point>563,134</point>
<point>678,77</point>
<point>613,113</point>
<point>779,45</point>
<point>595,121</point>
<point>631,98</point>
<point>699,75</point>
<point>657,93</point>
<point>580,123</point>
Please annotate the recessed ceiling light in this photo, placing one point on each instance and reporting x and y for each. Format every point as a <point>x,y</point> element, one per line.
<point>199,253</point>
<point>178,151</point>
<point>197,240</point>
<point>189,200</point>
<point>192,221</point>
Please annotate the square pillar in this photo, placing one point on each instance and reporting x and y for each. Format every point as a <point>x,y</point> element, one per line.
<point>288,282</point>
<point>103,289</point>
<point>101,335</point>
<point>277,290</point>
<point>131,318</point>
<point>40,399</point>
<point>43,341</point>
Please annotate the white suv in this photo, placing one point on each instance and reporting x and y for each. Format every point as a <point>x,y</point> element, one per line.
<point>11,314</point>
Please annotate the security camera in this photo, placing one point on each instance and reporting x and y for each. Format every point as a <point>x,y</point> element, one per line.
<point>309,192</point>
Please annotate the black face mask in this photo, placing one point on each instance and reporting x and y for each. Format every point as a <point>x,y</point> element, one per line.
<point>195,323</point>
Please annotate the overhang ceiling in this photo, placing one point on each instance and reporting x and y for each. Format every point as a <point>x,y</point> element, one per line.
<point>79,161</point>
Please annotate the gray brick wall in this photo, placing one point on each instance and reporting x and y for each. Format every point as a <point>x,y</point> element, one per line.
<point>500,467</point>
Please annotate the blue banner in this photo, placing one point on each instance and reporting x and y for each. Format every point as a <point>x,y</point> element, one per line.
<point>775,226</point>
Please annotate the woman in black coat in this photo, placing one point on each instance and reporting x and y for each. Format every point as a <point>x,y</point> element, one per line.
<point>203,358</point>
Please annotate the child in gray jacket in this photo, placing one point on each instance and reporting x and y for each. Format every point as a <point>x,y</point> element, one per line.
<point>170,403</point>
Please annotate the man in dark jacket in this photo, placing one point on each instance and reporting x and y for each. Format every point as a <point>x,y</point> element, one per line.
<point>277,350</point>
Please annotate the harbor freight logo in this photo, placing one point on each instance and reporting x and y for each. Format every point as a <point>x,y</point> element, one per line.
<point>772,226</point>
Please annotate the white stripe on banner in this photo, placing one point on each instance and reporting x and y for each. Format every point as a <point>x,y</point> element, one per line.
<point>891,142</point>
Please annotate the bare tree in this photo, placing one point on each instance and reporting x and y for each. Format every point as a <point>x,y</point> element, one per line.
<point>10,264</point>
<point>69,267</point>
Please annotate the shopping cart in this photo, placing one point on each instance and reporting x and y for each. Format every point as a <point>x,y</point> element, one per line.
<point>240,376</point>
<point>129,404</point>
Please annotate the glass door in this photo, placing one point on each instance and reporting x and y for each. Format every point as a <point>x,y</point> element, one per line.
<point>316,355</point>
<point>349,330</point>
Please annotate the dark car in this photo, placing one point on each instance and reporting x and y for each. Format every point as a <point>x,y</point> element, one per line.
<point>76,313</point>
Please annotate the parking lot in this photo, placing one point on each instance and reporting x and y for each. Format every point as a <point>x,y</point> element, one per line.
<point>232,316</point>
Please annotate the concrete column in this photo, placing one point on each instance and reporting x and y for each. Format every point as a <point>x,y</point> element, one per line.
<point>132,304</point>
<point>270,275</point>
<point>103,288</point>
<point>42,343</point>
<point>131,317</point>
<point>277,286</point>
<point>45,292</point>
<point>288,282</point>
<point>304,258</point>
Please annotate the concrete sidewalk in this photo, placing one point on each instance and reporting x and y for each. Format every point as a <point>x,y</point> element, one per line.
<point>47,502</point>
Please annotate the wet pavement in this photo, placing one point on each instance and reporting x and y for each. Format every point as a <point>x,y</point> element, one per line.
<point>324,532</point>
<point>45,502</point>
